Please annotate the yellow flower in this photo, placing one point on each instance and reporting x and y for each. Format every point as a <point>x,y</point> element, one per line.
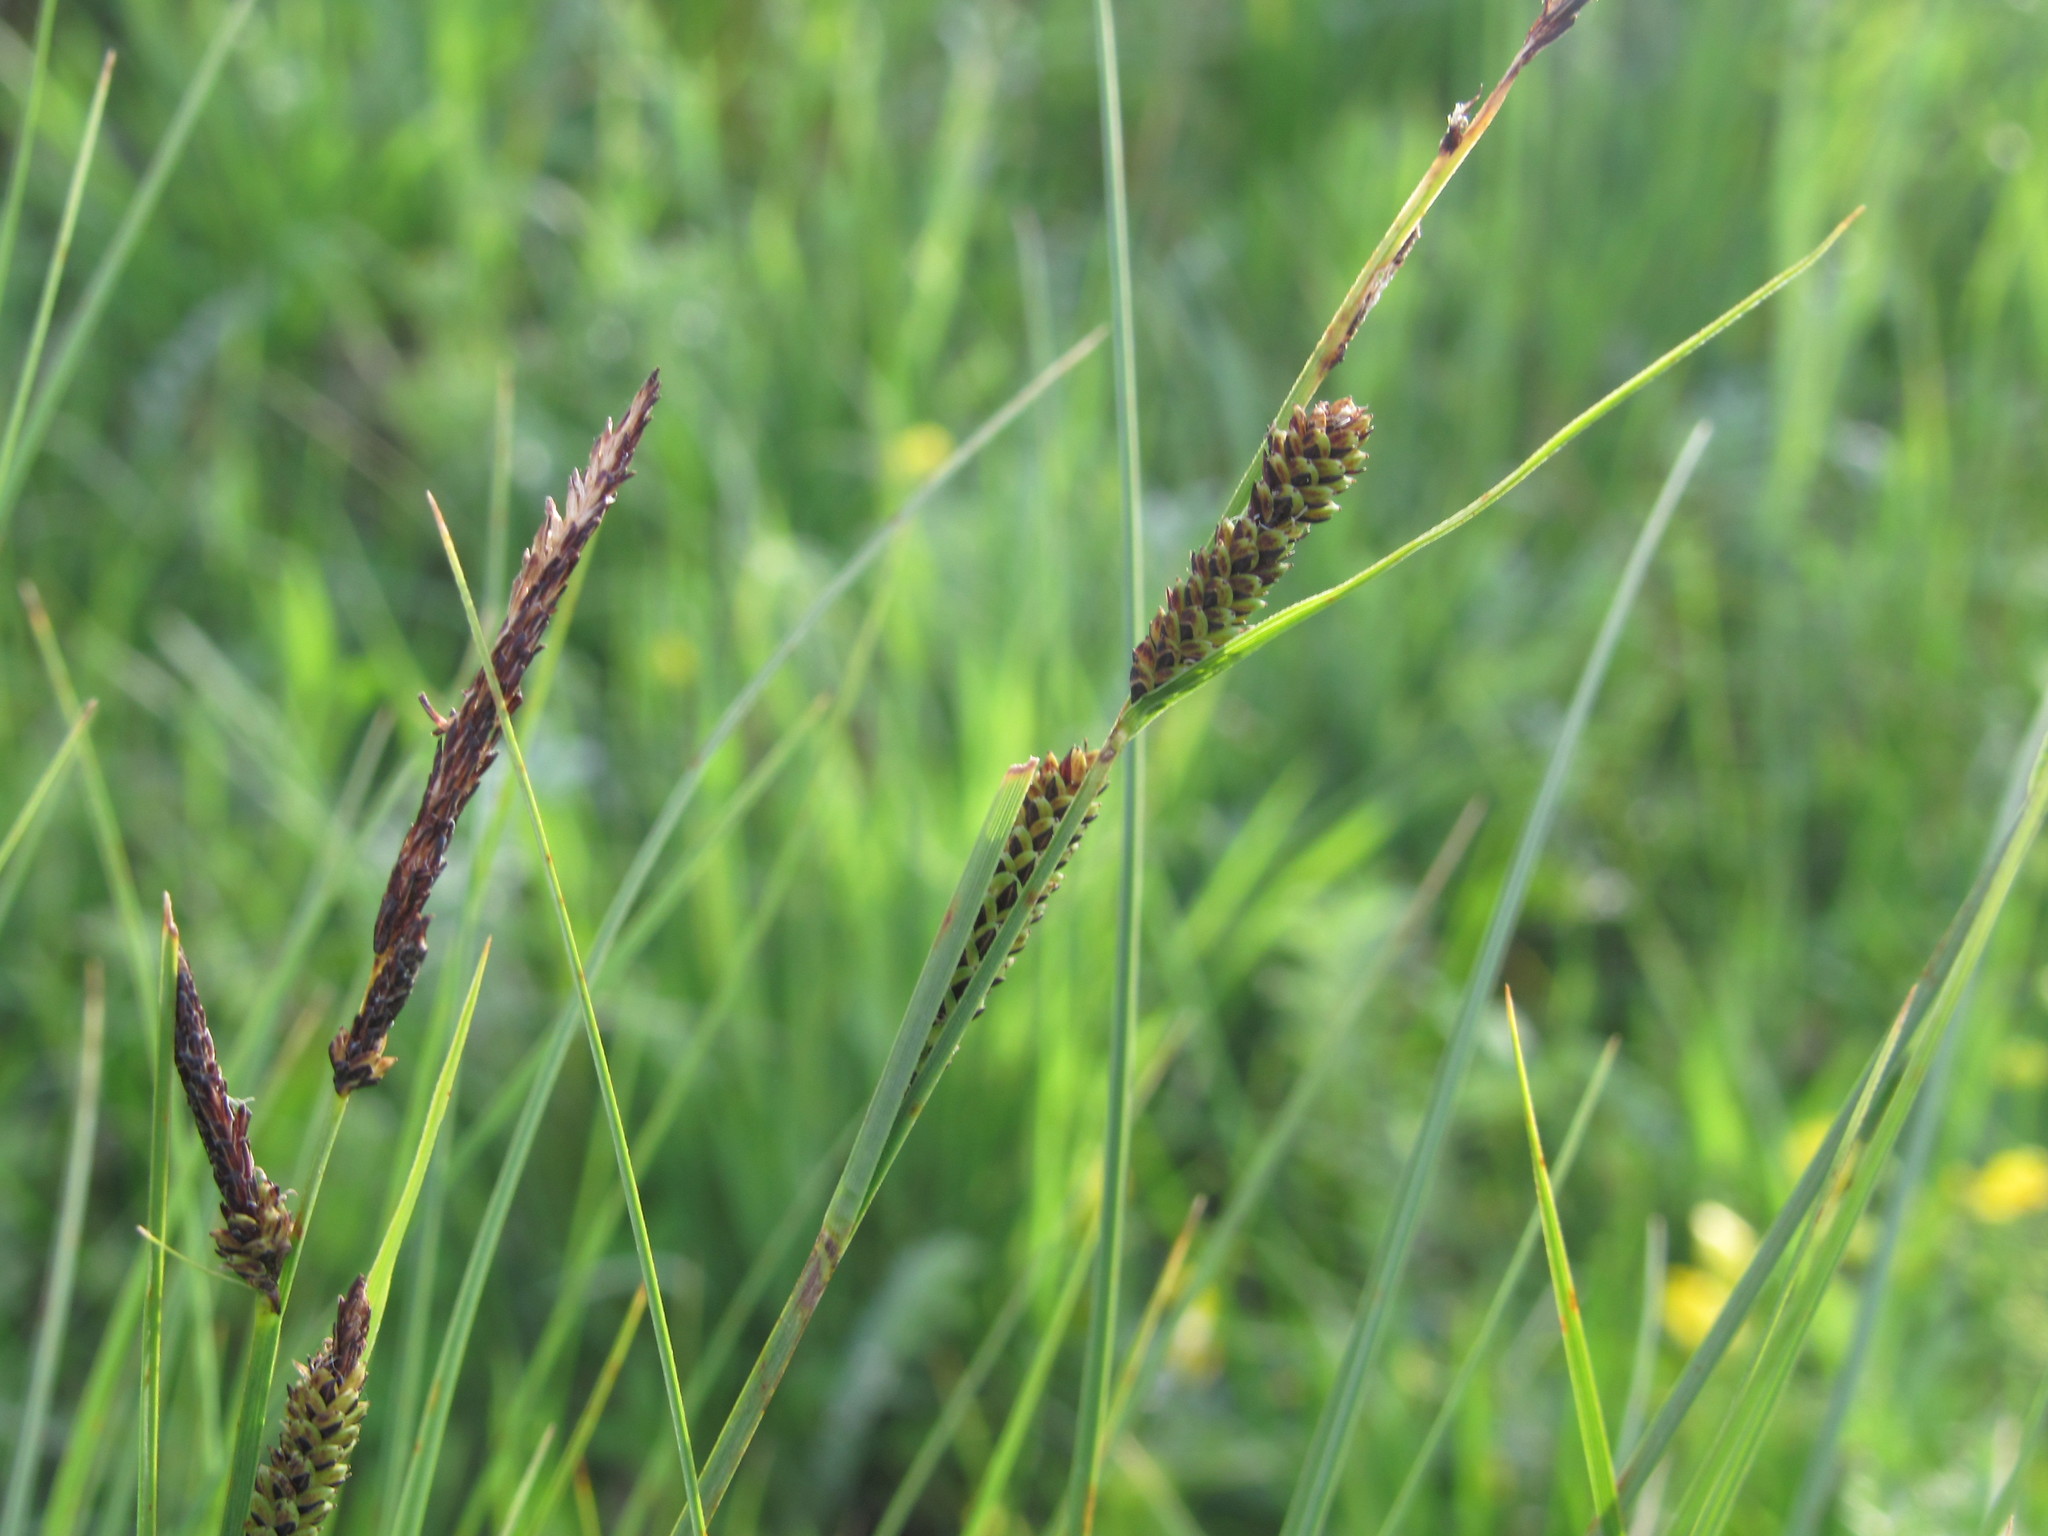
<point>2013,1184</point>
<point>915,452</point>
<point>1692,1300</point>
<point>1724,1242</point>
<point>1193,1350</point>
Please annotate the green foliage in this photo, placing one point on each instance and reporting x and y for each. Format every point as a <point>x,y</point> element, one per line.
<point>329,256</point>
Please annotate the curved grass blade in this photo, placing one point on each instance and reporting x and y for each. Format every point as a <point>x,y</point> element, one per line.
<point>1243,644</point>
<point>650,1274</point>
<point>99,288</point>
<point>524,1490</point>
<point>56,1308</point>
<point>1578,1357</point>
<point>1503,1294</point>
<point>1649,1328</point>
<point>1099,1361</point>
<point>1998,1513</point>
<point>53,279</point>
<point>1308,1510</point>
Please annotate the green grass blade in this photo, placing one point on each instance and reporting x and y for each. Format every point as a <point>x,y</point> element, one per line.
<point>1099,1362</point>
<point>53,279</point>
<point>1791,1221</point>
<point>524,1490</point>
<point>1503,1294</point>
<point>984,1514</point>
<point>392,1244</point>
<point>874,1141</point>
<point>1316,1490</point>
<point>25,140</point>
<point>149,1416</point>
<point>1998,1512</point>
<point>1649,1329</point>
<point>1243,644</point>
<point>106,827</point>
<point>56,1308</point>
<point>99,288</point>
<point>586,1422</point>
<point>86,1449</point>
<point>1817,1482</point>
<point>45,786</point>
<point>650,1273</point>
<point>1719,1481</point>
<point>1578,1357</point>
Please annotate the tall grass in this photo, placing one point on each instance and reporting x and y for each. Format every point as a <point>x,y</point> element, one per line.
<point>332,258</point>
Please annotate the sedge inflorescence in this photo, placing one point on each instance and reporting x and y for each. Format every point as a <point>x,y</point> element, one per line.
<point>323,1418</point>
<point>1055,781</point>
<point>1305,466</point>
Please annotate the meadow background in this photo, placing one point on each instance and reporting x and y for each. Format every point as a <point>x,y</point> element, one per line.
<point>413,247</point>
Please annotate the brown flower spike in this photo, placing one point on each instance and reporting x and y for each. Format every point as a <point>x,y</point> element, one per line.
<point>259,1230</point>
<point>323,1417</point>
<point>1054,783</point>
<point>469,744</point>
<point>1306,466</point>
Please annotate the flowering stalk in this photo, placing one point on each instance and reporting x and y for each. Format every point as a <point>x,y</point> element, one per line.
<point>469,744</point>
<point>323,1417</point>
<point>1305,466</point>
<point>259,1230</point>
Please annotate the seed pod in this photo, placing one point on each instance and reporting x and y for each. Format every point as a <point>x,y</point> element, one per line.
<point>323,1417</point>
<point>1306,466</point>
<point>469,744</point>
<point>259,1229</point>
<point>1054,783</point>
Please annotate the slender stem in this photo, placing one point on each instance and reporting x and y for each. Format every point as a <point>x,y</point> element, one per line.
<point>615,1122</point>
<point>1099,1363</point>
<point>24,144</point>
<point>149,1440</point>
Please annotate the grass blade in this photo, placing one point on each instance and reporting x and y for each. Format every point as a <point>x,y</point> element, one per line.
<point>149,1419</point>
<point>53,279</point>
<point>1503,1294</point>
<point>25,139</point>
<point>99,288</point>
<point>393,1243</point>
<point>1243,644</point>
<point>1308,1510</point>
<point>643,1244</point>
<point>46,784</point>
<point>106,827</point>
<point>1099,1363</point>
<point>56,1309</point>
<point>1578,1358</point>
<point>524,1489</point>
<point>984,1514</point>
<point>586,1422</point>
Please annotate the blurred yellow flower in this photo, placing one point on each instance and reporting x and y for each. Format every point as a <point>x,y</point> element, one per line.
<point>1722,1240</point>
<point>1192,1349</point>
<point>2023,1064</point>
<point>2013,1184</point>
<point>1692,1300</point>
<point>915,452</point>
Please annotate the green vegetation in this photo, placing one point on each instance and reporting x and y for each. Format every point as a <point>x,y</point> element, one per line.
<point>969,317</point>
